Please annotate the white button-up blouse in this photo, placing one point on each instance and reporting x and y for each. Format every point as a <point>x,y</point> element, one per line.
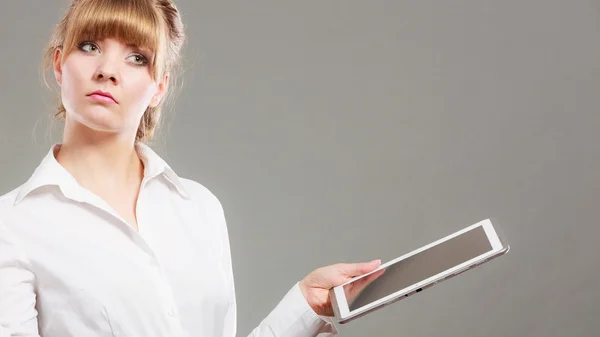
<point>71,266</point>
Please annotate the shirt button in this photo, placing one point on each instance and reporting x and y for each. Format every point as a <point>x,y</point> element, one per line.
<point>172,312</point>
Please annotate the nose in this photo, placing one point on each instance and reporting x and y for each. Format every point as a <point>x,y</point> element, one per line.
<point>105,72</point>
<point>102,75</point>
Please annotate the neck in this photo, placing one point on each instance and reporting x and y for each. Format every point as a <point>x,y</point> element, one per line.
<point>98,160</point>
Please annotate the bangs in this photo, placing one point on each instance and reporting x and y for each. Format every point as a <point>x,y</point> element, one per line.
<point>132,22</point>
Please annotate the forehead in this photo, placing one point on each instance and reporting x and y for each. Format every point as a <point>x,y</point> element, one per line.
<point>125,21</point>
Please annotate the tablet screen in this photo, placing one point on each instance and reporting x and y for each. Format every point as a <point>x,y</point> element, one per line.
<point>423,265</point>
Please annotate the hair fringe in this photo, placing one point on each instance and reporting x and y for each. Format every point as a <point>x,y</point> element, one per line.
<point>150,24</point>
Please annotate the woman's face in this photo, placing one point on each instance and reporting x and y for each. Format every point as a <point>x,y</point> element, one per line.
<point>115,69</point>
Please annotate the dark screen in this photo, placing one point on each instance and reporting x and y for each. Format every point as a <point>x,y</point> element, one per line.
<point>423,265</point>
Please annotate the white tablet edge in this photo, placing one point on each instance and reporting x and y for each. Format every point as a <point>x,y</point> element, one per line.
<point>340,297</point>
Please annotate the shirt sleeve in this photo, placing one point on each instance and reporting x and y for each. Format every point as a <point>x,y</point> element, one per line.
<point>295,318</point>
<point>292,317</point>
<point>18,316</point>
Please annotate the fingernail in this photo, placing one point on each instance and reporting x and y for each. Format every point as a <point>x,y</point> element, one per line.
<point>378,261</point>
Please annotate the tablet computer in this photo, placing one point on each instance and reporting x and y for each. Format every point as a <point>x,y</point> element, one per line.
<point>417,270</point>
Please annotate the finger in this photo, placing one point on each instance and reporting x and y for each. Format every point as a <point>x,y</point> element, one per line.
<point>365,281</point>
<point>357,269</point>
<point>360,285</point>
<point>372,277</point>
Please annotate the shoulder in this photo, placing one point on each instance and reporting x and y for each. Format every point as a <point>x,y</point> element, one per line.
<point>7,210</point>
<point>207,203</point>
<point>201,194</point>
<point>7,200</point>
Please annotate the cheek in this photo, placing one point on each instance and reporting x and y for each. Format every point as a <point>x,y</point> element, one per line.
<point>72,84</point>
<point>140,91</point>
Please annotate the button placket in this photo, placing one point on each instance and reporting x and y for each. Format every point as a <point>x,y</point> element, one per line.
<point>161,283</point>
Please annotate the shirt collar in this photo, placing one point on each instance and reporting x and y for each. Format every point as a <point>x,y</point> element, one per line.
<point>154,165</point>
<point>50,172</point>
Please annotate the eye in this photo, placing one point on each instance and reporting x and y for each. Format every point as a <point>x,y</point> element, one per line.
<point>139,59</point>
<point>87,46</point>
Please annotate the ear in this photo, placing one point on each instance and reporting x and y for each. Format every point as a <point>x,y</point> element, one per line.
<point>57,65</point>
<point>160,93</point>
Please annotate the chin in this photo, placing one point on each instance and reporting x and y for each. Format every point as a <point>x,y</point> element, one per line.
<point>100,118</point>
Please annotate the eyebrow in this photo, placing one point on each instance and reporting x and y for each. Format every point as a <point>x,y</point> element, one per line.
<point>149,51</point>
<point>133,45</point>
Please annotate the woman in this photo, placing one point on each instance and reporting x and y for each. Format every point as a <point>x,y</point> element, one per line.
<point>105,239</point>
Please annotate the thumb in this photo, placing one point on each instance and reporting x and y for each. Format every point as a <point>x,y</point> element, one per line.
<point>357,269</point>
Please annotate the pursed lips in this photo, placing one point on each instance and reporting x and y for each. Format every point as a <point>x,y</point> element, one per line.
<point>103,96</point>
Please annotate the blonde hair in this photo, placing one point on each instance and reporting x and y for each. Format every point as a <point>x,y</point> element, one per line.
<point>151,24</point>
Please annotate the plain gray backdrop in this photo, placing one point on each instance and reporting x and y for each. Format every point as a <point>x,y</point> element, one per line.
<point>344,131</point>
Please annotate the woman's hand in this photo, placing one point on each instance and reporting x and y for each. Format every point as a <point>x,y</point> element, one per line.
<point>315,287</point>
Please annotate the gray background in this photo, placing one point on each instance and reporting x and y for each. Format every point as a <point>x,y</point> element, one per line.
<point>343,131</point>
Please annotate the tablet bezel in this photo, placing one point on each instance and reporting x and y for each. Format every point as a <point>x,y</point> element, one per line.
<point>340,303</point>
